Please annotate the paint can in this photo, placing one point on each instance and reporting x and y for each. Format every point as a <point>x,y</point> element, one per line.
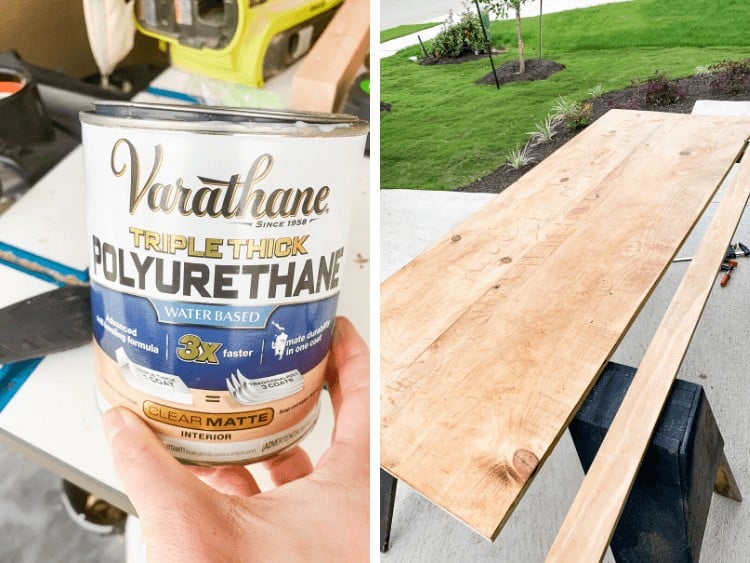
<point>23,120</point>
<point>217,243</point>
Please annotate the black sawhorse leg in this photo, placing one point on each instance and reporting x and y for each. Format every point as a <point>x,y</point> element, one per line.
<point>666,512</point>
<point>387,498</point>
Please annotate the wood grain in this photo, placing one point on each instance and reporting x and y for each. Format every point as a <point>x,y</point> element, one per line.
<point>329,69</point>
<point>490,342</point>
<point>592,518</point>
<point>539,201</point>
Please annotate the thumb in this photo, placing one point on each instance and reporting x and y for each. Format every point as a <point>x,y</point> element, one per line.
<point>153,479</point>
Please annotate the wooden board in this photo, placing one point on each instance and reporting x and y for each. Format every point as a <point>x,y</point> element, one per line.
<point>411,299</point>
<point>328,71</point>
<point>491,339</point>
<point>592,518</point>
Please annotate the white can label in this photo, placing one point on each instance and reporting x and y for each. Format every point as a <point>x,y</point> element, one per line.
<point>216,264</point>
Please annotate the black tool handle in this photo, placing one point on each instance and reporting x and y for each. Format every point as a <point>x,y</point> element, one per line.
<point>51,322</point>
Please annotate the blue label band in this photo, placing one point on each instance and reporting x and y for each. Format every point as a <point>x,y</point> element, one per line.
<point>212,342</point>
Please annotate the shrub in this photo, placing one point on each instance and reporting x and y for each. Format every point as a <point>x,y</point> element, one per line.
<point>459,37</point>
<point>730,77</point>
<point>659,91</point>
<point>631,103</point>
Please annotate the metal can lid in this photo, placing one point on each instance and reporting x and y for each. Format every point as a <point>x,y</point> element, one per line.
<point>223,119</point>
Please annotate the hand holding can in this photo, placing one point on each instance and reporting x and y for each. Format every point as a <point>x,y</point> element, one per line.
<point>217,246</point>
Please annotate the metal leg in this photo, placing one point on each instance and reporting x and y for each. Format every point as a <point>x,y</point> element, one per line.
<point>387,499</point>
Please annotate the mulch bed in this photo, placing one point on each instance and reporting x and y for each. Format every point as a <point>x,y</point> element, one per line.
<point>536,69</point>
<point>430,60</point>
<point>692,88</point>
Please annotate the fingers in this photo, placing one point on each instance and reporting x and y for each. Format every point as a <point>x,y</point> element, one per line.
<point>348,379</point>
<point>228,480</point>
<point>349,354</point>
<point>152,478</point>
<point>288,466</point>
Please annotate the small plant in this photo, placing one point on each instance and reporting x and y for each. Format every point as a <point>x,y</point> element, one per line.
<point>596,91</point>
<point>582,117</point>
<point>659,91</point>
<point>730,77</point>
<point>544,131</point>
<point>700,70</point>
<point>562,108</point>
<point>518,158</point>
<point>573,114</point>
<point>460,37</point>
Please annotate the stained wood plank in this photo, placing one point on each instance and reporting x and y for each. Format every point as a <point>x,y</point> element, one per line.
<point>590,523</point>
<point>475,393</point>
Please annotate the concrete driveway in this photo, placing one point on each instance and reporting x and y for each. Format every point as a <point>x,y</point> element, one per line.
<point>398,12</point>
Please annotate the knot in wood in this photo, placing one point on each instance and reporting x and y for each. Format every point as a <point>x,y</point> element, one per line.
<point>525,463</point>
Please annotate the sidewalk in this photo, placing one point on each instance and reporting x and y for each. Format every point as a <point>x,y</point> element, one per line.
<point>529,9</point>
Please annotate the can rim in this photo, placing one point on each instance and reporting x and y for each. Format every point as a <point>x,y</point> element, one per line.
<point>217,118</point>
<point>19,77</point>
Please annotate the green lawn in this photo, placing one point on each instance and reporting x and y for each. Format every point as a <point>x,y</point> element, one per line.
<point>401,30</point>
<point>444,131</point>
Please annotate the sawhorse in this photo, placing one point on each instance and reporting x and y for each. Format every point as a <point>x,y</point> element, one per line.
<point>667,509</point>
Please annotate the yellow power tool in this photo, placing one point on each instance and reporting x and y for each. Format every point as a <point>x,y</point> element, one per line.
<point>244,41</point>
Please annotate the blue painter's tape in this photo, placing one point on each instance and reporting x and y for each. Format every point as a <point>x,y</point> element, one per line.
<point>62,269</point>
<point>164,93</point>
<point>12,376</point>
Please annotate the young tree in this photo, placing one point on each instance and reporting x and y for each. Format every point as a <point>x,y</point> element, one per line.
<point>500,8</point>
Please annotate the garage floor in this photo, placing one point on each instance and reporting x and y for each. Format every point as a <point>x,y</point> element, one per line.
<point>34,526</point>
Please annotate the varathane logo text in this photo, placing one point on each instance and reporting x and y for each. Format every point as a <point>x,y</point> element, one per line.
<point>258,259</point>
<point>231,198</point>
